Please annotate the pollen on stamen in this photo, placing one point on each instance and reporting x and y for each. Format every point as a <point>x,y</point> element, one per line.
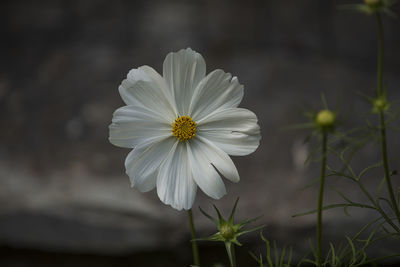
<point>184,128</point>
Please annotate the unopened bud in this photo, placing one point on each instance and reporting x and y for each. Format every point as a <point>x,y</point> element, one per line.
<point>380,104</point>
<point>325,118</point>
<point>373,3</point>
<point>227,231</point>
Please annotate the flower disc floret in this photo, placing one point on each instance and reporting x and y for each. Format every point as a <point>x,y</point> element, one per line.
<point>184,128</point>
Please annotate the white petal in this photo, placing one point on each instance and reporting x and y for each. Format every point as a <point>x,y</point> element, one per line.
<point>233,130</point>
<point>132,125</point>
<point>215,92</point>
<point>148,183</point>
<point>146,88</point>
<point>175,185</point>
<point>182,72</point>
<point>204,174</point>
<point>220,160</point>
<point>143,161</point>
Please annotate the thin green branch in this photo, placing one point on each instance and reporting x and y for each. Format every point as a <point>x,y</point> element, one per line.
<point>378,207</point>
<point>334,206</point>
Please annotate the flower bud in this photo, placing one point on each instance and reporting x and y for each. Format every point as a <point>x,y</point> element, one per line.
<point>227,231</point>
<point>325,118</point>
<point>373,3</point>
<point>380,103</point>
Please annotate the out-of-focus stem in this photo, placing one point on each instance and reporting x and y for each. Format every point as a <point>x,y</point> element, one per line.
<point>382,119</point>
<point>380,56</point>
<point>386,164</point>
<point>321,199</point>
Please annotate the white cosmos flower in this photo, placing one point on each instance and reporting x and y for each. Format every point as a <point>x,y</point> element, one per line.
<point>182,126</point>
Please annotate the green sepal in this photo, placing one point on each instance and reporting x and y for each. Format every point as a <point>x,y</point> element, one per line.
<point>209,216</point>
<point>230,220</point>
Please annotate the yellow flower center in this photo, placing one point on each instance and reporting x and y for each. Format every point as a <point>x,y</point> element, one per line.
<point>184,128</point>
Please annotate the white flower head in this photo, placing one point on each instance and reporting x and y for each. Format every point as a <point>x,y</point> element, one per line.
<point>182,126</point>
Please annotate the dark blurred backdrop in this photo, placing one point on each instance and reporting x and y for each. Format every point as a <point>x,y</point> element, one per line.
<point>65,198</point>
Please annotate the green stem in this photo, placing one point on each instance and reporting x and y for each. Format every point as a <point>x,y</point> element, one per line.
<point>386,165</point>
<point>230,250</point>
<point>321,198</point>
<point>382,119</point>
<point>377,206</point>
<point>195,249</point>
<point>380,55</point>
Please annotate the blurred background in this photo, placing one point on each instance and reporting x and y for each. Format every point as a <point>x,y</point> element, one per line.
<point>64,197</point>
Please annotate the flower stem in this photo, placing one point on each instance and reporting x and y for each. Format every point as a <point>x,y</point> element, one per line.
<point>233,256</point>
<point>380,55</point>
<point>195,249</point>
<point>321,198</point>
<point>382,119</point>
<point>230,250</point>
<point>386,165</point>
